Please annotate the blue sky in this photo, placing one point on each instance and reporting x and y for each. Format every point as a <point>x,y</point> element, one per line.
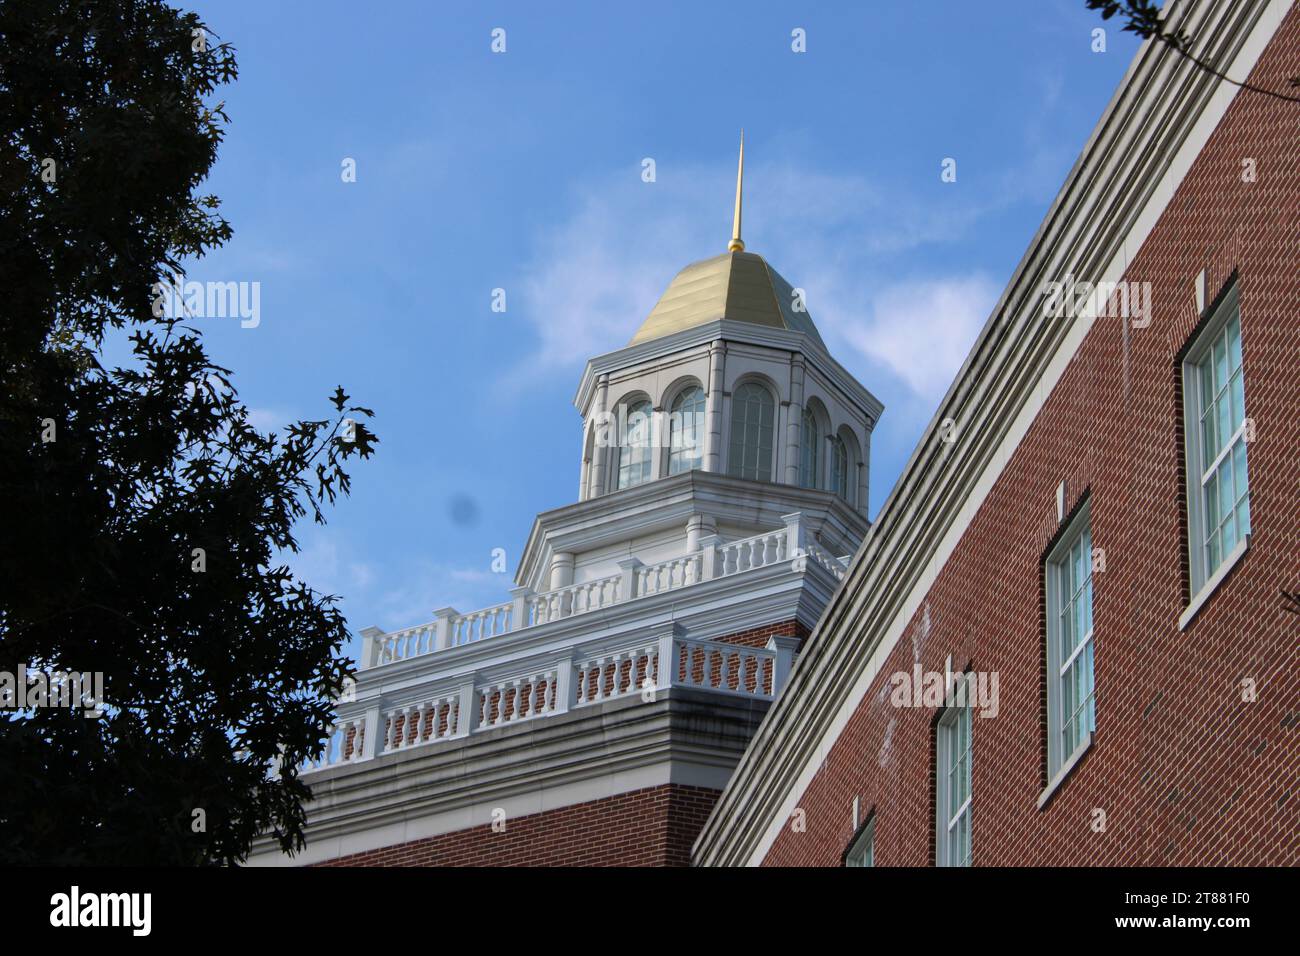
<point>522,171</point>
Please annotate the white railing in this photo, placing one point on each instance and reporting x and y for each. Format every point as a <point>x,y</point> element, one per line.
<point>757,552</point>
<point>516,699</point>
<point>422,723</point>
<point>408,642</point>
<point>543,685</point>
<point>616,674</point>
<point>574,599</point>
<point>836,567</point>
<point>343,745</point>
<point>666,575</point>
<point>714,559</point>
<point>480,624</point>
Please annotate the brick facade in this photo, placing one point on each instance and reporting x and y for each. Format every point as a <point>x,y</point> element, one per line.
<point>650,827</point>
<point>1185,770</point>
<point>758,636</point>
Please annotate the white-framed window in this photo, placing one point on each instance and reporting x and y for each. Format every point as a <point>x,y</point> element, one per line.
<point>686,431</point>
<point>809,449</point>
<point>839,467</point>
<point>752,418</point>
<point>1071,714</point>
<point>1214,410</point>
<point>634,448</point>
<point>952,790</point>
<point>863,850</point>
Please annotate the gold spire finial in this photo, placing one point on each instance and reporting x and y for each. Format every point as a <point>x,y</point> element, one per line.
<point>737,244</point>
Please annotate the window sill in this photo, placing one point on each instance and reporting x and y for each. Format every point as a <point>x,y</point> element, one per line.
<point>1212,585</point>
<point>1070,763</point>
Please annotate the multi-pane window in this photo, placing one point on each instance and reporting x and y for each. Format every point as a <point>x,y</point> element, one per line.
<point>863,851</point>
<point>634,447</point>
<point>1071,714</point>
<point>686,431</point>
<point>839,467</point>
<point>752,417</point>
<point>952,793</point>
<point>808,450</point>
<point>1218,493</point>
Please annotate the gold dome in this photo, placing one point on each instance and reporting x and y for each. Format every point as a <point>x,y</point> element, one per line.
<point>738,286</point>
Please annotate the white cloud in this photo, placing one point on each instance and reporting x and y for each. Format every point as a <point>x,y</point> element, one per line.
<point>919,329</point>
<point>596,275</point>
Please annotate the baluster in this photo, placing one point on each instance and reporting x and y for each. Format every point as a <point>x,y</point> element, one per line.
<point>390,730</point>
<point>422,718</point>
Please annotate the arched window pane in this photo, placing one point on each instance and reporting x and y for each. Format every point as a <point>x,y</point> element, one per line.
<point>686,431</point>
<point>808,450</point>
<point>634,451</point>
<point>839,467</point>
<point>752,416</point>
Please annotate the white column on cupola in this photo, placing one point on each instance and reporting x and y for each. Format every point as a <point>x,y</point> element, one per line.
<point>697,526</point>
<point>561,569</point>
<point>604,435</point>
<point>794,425</point>
<point>713,407</point>
<point>864,475</point>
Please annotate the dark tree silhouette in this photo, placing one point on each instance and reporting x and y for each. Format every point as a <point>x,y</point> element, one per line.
<point>1142,17</point>
<point>111,477</point>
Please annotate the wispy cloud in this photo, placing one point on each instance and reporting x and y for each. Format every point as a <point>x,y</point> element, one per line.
<point>404,592</point>
<point>596,275</point>
<point>918,329</point>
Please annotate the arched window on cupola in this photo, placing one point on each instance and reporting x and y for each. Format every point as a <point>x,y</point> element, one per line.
<point>686,431</point>
<point>634,446</point>
<point>809,450</point>
<point>839,467</point>
<point>752,416</point>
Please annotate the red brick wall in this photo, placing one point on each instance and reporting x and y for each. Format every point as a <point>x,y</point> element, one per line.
<point>650,827</point>
<point>1185,770</point>
<point>758,636</point>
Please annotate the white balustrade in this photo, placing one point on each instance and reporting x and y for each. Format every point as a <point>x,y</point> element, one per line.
<point>420,723</point>
<point>726,668</point>
<point>342,745</point>
<point>715,559</point>
<point>516,699</point>
<point>666,575</point>
<point>757,552</point>
<point>616,674</point>
<point>480,624</point>
<point>547,685</point>
<point>408,642</point>
<point>837,567</point>
<point>574,599</point>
